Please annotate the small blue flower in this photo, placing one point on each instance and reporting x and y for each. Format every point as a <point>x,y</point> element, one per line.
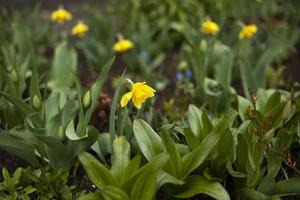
<point>179,76</point>
<point>144,55</point>
<point>189,74</point>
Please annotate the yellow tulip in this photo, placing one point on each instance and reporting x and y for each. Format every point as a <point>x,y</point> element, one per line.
<point>123,45</point>
<point>210,27</point>
<point>61,15</point>
<point>139,93</point>
<point>80,29</point>
<point>248,31</point>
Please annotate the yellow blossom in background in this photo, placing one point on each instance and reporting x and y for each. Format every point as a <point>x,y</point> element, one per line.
<point>139,93</point>
<point>210,27</point>
<point>248,31</point>
<point>61,15</point>
<point>123,45</point>
<point>80,29</point>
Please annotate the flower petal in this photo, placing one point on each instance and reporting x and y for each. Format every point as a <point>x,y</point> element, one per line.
<point>125,99</point>
<point>137,102</point>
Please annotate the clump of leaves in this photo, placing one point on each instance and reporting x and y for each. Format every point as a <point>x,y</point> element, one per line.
<point>43,184</point>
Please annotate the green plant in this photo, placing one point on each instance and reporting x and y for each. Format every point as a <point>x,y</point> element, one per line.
<point>40,184</point>
<point>184,169</point>
<point>51,123</point>
<point>126,178</point>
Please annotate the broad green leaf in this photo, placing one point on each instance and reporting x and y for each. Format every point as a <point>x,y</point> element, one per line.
<point>223,57</point>
<point>130,169</point>
<point>19,148</point>
<point>250,194</point>
<point>77,146</point>
<point>113,193</point>
<point>274,158</point>
<point>271,103</point>
<point>194,118</point>
<point>56,151</point>
<point>266,186</point>
<point>18,103</point>
<point>120,156</point>
<point>243,106</point>
<point>199,122</point>
<point>191,139</point>
<point>247,75</point>
<point>175,162</point>
<point>200,185</point>
<point>234,173</point>
<point>96,172</point>
<point>140,190</point>
<point>164,178</point>
<point>287,187</point>
<point>91,196</point>
<point>195,158</point>
<point>65,61</point>
<point>102,146</point>
<point>147,139</point>
<point>156,164</point>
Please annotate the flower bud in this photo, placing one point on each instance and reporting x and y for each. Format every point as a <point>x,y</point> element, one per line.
<point>268,135</point>
<point>14,76</point>
<point>61,133</point>
<point>287,109</point>
<point>182,66</point>
<point>36,102</point>
<point>203,45</point>
<point>87,99</point>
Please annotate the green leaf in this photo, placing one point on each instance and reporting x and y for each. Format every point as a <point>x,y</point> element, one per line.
<point>91,196</point>
<point>287,187</point>
<point>82,144</point>
<point>175,158</point>
<point>113,193</point>
<point>17,147</point>
<point>164,177</point>
<point>194,118</point>
<point>223,57</point>
<point>65,61</point>
<point>148,141</point>
<point>191,139</point>
<point>102,146</point>
<point>140,190</point>
<point>95,91</point>
<point>250,194</point>
<point>248,79</point>
<point>200,185</point>
<point>199,122</point>
<point>275,158</point>
<point>121,155</point>
<point>130,169</point>
<point>18,103</point>
<point>96,172</point>
<point>195,158</point>
<point>156,164</point>
<point>243,106</point>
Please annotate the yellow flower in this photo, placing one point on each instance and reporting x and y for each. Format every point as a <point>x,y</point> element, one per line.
<point>61,15</point>
<point>80,29</point>
<point>123,45</point>
<point>210,27</point>
<point>248,31</point>
<point>139,93</point>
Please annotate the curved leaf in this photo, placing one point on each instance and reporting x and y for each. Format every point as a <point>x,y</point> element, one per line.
<point>200,185</point>
<point>148,141</point>
<point>96,172</point>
